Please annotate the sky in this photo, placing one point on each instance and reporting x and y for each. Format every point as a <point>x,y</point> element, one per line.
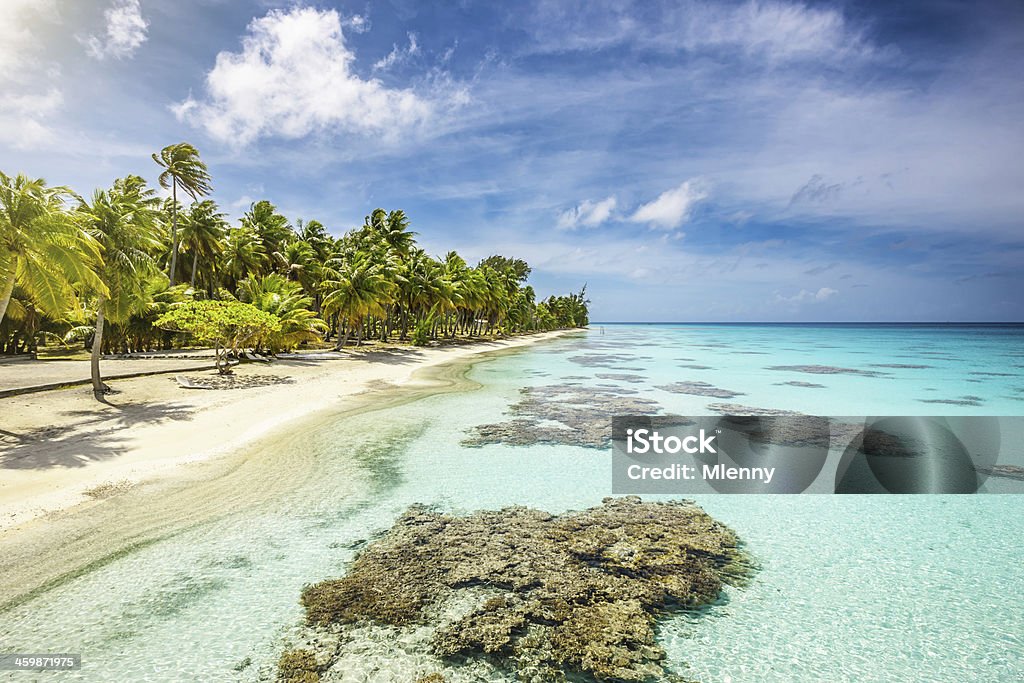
<point>688,161</point>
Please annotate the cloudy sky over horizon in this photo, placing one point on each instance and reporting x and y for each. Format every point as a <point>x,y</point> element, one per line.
<point>692,160</point>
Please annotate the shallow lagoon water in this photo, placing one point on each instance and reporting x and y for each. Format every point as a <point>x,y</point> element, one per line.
<point>859,588</point>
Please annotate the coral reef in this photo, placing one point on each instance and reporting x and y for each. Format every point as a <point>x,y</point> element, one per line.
<point>298,666</point>
<point>544,596</point>
<point>900,366</point>
<point>699,389</point>
<point>563,414</point>
<point>962,401</point>
<point>740,409</point>
<point>621,377</point>
<point>602,360</point>
<point>826,370</point>
<point>1005,471</point>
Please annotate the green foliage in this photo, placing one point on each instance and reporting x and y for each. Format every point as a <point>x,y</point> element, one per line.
<point>182,168</point>
<point>42,250</point>
<point>285,301</point>
<point>421,333</point>
<point>227,325</point>
<point>70,273</point>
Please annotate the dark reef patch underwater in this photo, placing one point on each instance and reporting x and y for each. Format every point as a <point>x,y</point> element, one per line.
<point>519,592</point>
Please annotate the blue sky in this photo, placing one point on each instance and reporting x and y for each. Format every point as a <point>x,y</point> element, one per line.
<point>715,161</point>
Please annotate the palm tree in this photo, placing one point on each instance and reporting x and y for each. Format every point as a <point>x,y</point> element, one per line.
<point>286,300</point>
<point>41,249</point>
<point>243,256</point>
<point>353,290</point>
<point>182,167</point>
<point>203,233</point>
<point>122,220</point>
<point>273,229</point>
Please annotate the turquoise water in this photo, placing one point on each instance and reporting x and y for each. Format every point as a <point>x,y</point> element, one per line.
<point>858,588</point>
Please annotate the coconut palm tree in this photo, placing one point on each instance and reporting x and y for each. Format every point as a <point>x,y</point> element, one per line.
<point>243,256</point>
<point>122,220</point>
<point>202,233</point>
<point>286,300</point>
<point>182,168</point>
<point>40,248</point>
<point>272,228</point>
<point>353,290</point>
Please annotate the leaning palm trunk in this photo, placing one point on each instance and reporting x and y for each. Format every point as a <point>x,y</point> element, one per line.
<point>8,290</point>
<point>98,387</point>
<point>195,262</point>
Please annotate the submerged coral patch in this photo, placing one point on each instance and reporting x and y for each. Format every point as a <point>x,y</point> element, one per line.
<point>826,370</point>
<point>541,596</point>
<point>740,409</point>
<point>601,360</point>
<point>797,383</point>
<point>962,401</point>
<point>900,366</point>
<point>1004,471</point>
<point>563,414</point>
<point>621,377</point>
<point>699,389</point>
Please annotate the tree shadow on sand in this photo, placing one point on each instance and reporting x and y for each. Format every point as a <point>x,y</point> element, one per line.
<point>64,446</point>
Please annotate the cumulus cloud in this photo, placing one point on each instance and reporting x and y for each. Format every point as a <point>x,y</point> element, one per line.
<point>587,214</point>
<point>294,76</point>
<point>126,32</point>
<point>31,93</point>
<point>672,207</point>
<point>398,55</point>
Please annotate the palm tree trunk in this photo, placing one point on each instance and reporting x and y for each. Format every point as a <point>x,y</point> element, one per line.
<point>5,294</point>
<point>342,333</point>
<point>195,262</point>
<point>174,229</point>
<point>98,388</point>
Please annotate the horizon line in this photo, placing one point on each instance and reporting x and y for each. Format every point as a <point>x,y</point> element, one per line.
<point>811,322</point>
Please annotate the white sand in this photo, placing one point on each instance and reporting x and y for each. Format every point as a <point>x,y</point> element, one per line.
<point>57,445</point>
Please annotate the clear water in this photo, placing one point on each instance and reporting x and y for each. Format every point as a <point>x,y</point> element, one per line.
<point>923,588</point>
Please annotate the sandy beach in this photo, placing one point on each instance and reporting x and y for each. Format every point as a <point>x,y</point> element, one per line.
<point>61,449</point>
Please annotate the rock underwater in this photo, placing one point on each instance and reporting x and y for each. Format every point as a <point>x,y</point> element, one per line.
<point>541,597</point>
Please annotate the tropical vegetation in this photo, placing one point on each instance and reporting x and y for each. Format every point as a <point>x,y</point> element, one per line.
<point>125,271</point>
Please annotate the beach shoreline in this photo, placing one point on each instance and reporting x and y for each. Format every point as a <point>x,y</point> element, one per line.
<point>61,450</point>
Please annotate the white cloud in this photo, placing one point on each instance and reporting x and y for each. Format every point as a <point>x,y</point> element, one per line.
<point>357,23</point>
<point>672,207</point>
<point>398,55</point>
<point>126,32</point>
<point>774,30</point>
<point>779,31</point>
<point>587,214</point>
<point>805,296</point>
<point>30,94</point>
<point>294,77</point>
